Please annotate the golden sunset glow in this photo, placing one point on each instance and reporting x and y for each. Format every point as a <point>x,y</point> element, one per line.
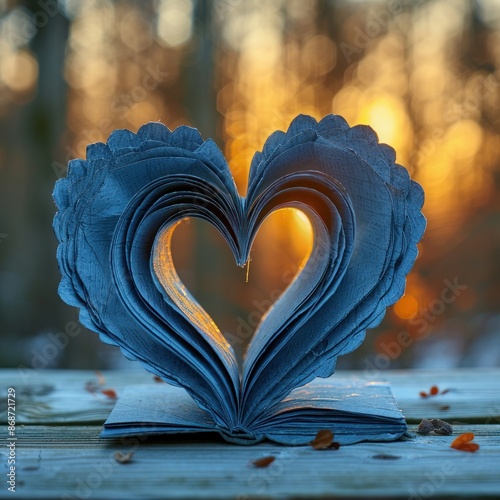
<point>19,71</point>
<point>291,234</point>
<point>404,87</point>
<point>424,75</point>
<point>272,266</point>
<point>406,307</point>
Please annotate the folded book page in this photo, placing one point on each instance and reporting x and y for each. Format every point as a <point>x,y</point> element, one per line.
<point>119,208</point>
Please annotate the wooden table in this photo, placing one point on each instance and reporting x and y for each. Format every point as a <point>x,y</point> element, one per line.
<point>59,454</point>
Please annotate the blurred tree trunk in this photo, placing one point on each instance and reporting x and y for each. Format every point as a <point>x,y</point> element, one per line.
<point>199,101</point>
<point>30,135</point>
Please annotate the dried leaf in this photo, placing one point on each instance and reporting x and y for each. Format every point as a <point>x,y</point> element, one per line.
<point>471,447</point>
<point>110,393</point>
<point>462,439</point>
<point>124,458</point>
<point>264,461</point>
<point>100,378</point>
<point>323,440</point>
<point>463,443</point>
<point>433,391</point>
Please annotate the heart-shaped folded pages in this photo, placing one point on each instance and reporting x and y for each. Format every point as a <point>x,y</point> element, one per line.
<point>119,208</point>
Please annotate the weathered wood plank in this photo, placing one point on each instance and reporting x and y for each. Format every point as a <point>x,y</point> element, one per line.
<point>69,461</point>
<point>72,463</point>
<point>57,396</point>
<point>473,394</point>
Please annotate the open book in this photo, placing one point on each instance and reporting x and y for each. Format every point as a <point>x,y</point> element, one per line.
<point>117,212</point>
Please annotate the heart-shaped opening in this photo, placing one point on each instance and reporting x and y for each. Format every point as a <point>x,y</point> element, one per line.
<point>236,298</point>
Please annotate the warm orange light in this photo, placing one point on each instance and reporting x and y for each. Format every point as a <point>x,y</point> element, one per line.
<point>406,307</point>
<point>124,66</point>
<point>286,235</point>
<point>386,114</point>
<point>19,71</point>
<point>142,112</point>
<point>464,139</point>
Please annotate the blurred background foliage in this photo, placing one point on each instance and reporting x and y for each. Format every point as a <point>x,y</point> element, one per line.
<point>424,74</point>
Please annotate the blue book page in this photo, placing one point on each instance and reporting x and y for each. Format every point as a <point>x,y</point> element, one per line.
<point>354,410</point>
<point>154,409</point>
<point>117,212</point>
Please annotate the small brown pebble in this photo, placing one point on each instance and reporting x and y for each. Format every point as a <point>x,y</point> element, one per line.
<point>441,432</point>
<point>435,426</point>
<point>441,427</point>
<point>425,427</point>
